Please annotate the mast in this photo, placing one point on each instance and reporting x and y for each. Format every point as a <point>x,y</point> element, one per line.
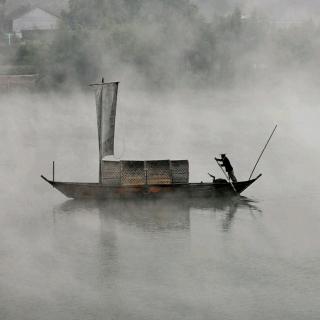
<point>106,103</point>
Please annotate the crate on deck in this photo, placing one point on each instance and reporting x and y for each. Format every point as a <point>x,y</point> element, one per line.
<point>158,172</point>
<point>132,173</point>
<point>110,173</point>
<point>180,171</point>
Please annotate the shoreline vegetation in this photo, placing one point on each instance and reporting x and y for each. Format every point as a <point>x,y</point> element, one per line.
<point>164,45</point>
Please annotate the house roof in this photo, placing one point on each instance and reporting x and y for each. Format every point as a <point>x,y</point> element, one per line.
<point>22,10</point>
<point>15,10</point>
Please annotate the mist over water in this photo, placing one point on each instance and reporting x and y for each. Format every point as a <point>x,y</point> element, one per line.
<point>248,258</point>
<point>197,79</point>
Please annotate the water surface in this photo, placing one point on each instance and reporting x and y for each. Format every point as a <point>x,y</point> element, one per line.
<point>248,258</point>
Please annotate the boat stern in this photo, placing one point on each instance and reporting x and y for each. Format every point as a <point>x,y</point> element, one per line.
<point>243,185</point>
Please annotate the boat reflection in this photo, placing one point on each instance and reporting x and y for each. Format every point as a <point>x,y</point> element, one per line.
<point>245,204</point>
<point>224,210</point>
<point>157,215</point>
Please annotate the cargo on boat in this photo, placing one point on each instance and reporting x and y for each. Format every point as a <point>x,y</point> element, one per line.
<point>134,173</point>
<point>128,179</point>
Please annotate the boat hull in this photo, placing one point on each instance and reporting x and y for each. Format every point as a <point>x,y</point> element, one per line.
<point>75,190</point>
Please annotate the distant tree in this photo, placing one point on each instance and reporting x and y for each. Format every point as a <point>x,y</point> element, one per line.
<point>236,21</point>
<point>2,15</point>
<point>166,42</point>
<point>154,37</point>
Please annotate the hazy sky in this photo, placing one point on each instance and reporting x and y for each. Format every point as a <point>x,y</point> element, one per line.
<point>284,9</point>
<point>280,9</point>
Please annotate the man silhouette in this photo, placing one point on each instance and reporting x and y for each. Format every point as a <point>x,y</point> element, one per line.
<point>227,165</point>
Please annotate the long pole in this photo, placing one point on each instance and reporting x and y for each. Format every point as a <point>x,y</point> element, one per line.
<point>53,171</point>
<point>226,176</point>
<point>99,133</point>
<point>265,147</point>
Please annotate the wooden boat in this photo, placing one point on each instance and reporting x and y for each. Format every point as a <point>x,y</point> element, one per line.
<point>138,179</point>
<point>77,190</point>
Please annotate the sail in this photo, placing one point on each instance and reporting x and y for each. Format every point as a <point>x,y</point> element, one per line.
<point>106,101</point>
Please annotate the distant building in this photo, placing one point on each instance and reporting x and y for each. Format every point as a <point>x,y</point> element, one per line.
<point>13,82</point>
<point>30,21</point>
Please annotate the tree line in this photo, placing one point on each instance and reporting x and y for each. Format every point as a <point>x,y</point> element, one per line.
<point>165,43</point>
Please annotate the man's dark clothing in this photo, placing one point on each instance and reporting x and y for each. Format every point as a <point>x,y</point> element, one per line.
<point>226,163</point>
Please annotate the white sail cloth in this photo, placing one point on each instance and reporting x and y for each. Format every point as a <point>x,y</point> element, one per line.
<point>106,101</point>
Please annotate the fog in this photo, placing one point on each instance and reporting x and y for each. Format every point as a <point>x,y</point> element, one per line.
<point>293,10</point>
<point>253,257</point>
<point>88,260</point>
<point>161,45</point>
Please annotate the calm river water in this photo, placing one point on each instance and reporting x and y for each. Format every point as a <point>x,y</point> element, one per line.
<point>255,257</point>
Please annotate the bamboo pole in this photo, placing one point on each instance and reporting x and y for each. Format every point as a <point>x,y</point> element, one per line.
<point>53,171</point>
<point>226,176</point>
<point>254,168</point>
